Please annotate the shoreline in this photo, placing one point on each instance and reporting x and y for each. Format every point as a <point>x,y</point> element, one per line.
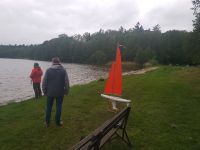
<point>139,71</point>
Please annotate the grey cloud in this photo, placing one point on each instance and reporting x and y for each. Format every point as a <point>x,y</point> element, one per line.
<point>172,17</point>
<point>34,21</point>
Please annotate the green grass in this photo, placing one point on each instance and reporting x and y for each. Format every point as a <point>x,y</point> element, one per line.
<point>165,114</point>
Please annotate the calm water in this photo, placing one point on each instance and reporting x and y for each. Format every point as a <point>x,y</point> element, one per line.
<point>15,83</point>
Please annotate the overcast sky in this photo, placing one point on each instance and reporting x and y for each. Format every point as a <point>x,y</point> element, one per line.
<point>34,21</point>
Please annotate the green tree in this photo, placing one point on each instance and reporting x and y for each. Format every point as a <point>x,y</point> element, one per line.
<point>195,51</point>
<point>143,56</point>
<point>98,58</point>
<point>138,27</point>
<point>196,9</point>
<point>156,28</point>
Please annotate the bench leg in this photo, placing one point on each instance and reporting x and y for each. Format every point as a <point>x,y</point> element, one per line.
<point>124,138</point>
<point>124,135</point>
<point>127,138</point>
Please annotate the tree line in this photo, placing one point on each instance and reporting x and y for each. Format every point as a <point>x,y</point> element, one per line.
<point>139,45</point>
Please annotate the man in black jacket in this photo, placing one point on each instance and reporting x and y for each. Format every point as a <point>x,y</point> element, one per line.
<point>55,85</point>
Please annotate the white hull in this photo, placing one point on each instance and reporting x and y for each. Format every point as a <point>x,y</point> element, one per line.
<point>115,99</point>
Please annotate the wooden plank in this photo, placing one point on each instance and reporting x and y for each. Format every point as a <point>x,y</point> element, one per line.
<point>104,132</point>
<point>83,144</point>
<point>107,136</point>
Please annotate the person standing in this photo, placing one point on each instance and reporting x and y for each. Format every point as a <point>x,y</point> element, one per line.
<point>35,76</point>
<point>55,85</point>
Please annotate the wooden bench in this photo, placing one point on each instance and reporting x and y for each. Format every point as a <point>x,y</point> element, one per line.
<point>112,128</point>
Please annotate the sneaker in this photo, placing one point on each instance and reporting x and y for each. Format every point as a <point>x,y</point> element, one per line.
<point>60,123</point>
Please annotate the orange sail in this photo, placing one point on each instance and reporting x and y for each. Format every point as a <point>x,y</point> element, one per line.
<point>109,84</point>
<point>114,82</point>
<point>117,87</point>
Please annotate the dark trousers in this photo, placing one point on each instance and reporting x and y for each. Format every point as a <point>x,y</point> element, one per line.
<point>37,90</point>
<point>50,101</point>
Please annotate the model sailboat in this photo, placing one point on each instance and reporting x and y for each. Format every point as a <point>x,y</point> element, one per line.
<point>113,88</point>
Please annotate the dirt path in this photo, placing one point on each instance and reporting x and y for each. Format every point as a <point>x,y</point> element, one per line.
<point>141,71</point>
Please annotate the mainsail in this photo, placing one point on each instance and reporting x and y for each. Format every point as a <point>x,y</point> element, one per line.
<point>114,82</point>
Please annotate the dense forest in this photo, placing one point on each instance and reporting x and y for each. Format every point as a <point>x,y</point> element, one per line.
<point>139,45</point>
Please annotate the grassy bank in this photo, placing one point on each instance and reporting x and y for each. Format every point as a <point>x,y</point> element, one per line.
<point>165,114</point>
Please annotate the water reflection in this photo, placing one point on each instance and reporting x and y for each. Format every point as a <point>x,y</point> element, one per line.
<point>15,83</point>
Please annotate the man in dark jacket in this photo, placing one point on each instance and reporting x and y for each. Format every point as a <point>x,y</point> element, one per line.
<point>55,85</point>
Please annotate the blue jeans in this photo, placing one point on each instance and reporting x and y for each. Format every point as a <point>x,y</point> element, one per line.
<point>50,101</point>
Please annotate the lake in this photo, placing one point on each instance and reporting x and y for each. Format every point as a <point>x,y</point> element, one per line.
<point>15,83</point>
